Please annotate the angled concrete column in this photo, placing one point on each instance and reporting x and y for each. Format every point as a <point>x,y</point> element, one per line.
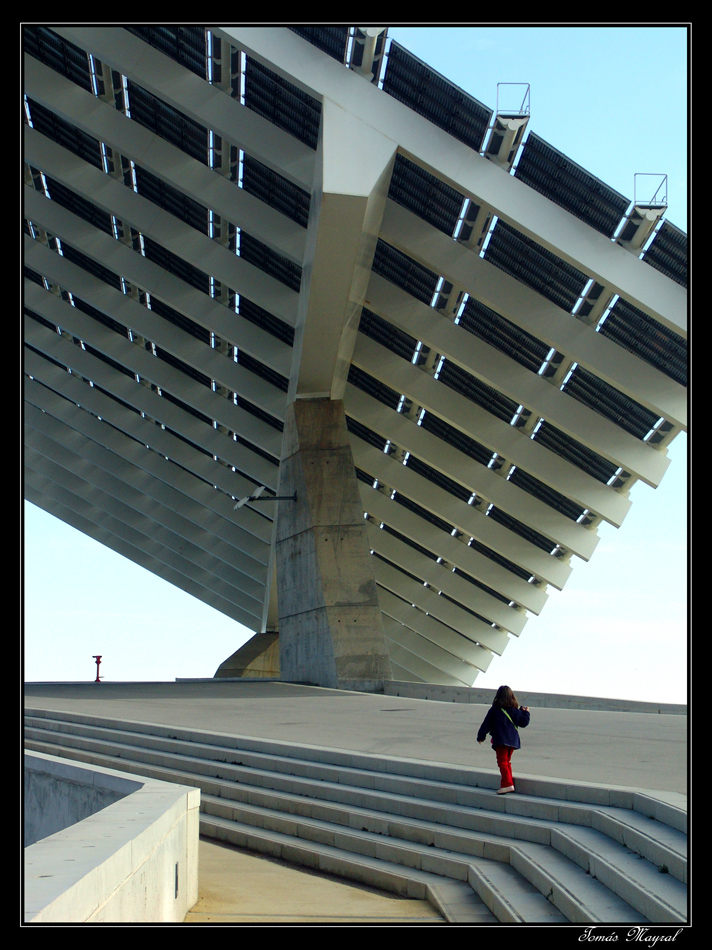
<point>330,627</point>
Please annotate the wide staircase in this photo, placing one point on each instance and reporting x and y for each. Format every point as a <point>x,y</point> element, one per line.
<point>554,851</point>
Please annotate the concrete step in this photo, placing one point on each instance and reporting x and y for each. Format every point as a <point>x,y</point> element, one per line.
<point>373,857</point>
<point>664,846</point>
<point>455,900</point>
<point>578,870</point>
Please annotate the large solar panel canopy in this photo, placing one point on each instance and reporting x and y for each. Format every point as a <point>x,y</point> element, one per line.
<point>224,223</point>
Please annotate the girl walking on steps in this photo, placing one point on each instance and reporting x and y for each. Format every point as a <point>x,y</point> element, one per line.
<point>503,720</point>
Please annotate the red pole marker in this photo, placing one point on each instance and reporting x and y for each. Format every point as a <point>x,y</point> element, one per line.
<point>98,662</point>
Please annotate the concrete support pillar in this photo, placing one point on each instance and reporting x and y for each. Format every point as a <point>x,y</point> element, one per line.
<point>330,627</point>
<point>258,658</point>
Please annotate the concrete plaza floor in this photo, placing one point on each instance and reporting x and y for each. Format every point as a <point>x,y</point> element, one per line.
<point>643,750</point>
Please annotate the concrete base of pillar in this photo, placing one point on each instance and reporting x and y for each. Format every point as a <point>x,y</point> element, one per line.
<point>330,628</point>
<point>256,658</point>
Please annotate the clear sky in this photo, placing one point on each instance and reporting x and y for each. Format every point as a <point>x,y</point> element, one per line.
<point>614,100</point>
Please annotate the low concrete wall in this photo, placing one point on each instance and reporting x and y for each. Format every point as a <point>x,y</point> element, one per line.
<point>133,858</point>
<point>484,697</point>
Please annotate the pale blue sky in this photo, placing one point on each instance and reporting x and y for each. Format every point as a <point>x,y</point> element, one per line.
<point>614,100</point>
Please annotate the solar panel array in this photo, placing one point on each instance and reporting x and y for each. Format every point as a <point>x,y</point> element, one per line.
<point>160,318</point>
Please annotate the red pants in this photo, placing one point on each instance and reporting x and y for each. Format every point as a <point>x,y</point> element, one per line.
<point>504,761</point>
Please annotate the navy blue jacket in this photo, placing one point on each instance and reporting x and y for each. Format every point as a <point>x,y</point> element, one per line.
<point>501,729</point>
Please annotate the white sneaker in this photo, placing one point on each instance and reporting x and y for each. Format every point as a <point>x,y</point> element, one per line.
<point>503,791</point>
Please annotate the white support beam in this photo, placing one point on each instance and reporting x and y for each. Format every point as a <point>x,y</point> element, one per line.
<point>496,434</point>
<point>443,579</point>
<point>430,602</point>
<point>403,432</point>
<point>468,172</point>
<point>457,554</point>
<point>162,159</point>
<point>191,303</point>
<point>143,399</point>
<point>147,366</point>
<point>91,484</point>
<point>432,630</point>
<point>274,297</point>
<point>468,519</point>
<point>532,312</point>
<point>149,325</point>
<point>205,104</point>
<point>425,670</point>
<point>432,653</point>
<point>147,445</point>
<point>85,435</point>
<point>177,237</point>
<point>354,167</point>
<point>520,384</point>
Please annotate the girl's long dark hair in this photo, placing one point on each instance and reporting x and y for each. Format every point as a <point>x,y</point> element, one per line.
<point>505,698</point>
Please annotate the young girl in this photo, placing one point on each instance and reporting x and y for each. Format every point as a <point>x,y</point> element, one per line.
<point>502,721</point>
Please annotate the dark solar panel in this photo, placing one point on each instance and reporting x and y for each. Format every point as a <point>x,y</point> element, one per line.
<point>488,590</point>
<point>397,341</point>
<point>368,435</point>
<point>79,206</point>
<point>269,261</point>
<point>184,44</point>
<point>168,123</point>
<point>417,509</point>
<point>437,478</point>
<point>554,175</point>
<point>668,253</point>
<point>282,103</point>
<point>457,378</point>
<point>275,191</point>
<point>183,367</point>
<point>498,559</point>
<point>264,372</point>
<point>410,543</point>
<point>532,486</point>
<point>176,265</point>
<point>260,414</point>
<point>265,320</point>
<point>534,266</point>
<point>33,275</point>
<point>609,402</point>
<point>524,531</point>
<point>65,134</point>
<point>429,94</point>
<point>648,339</point>
<point>364,381</point>
<point>101,317</point>
<point>171,200</point>
<point>425,195</point>
<point>494,329</point>
<point>186,407</point>
<point>90,265</point>
<point>331,40</point>
<point>586,459</point>
<point>458,440</point>
<point>119,367</point>
<point>59,54</point>
<point>404,272</point>
<point>180,320</point>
